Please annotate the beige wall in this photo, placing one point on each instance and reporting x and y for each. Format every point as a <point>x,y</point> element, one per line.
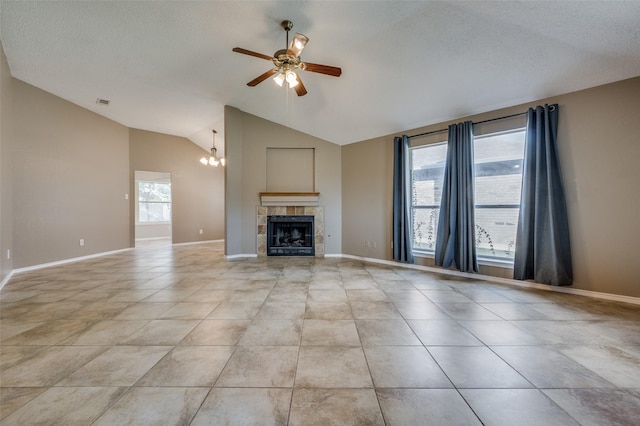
<point>367,198</point>
<point>247,138</point>
<point>234,232</point>
<point>6,205</point>
<point>599,150</point>
<point>197,190</point>
<point>65,173</point>
<point>70,177</point>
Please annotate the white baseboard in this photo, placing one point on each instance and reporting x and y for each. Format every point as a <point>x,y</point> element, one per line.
<point>71,260</point>
<point>508,281</point>
<point>198,242</point>
<point>59,262</point>
<point>78,259</point>
<point>240,256</point>
<point>6,279</point>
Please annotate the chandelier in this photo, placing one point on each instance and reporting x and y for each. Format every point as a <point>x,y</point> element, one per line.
<point>213,159</point>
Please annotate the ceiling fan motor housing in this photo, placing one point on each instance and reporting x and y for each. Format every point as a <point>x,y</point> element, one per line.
<point>287,25</point>
<point>285,61</point>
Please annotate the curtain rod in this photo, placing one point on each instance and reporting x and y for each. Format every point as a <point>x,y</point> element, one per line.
<point>479,122</point>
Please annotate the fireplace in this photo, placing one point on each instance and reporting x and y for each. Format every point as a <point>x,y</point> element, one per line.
<point>290,235</point>
<point>315,212</point>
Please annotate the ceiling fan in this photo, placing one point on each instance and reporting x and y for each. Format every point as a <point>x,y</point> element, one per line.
<point>287,61</point>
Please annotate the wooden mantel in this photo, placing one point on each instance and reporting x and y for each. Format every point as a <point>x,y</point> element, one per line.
<point>289,198</point>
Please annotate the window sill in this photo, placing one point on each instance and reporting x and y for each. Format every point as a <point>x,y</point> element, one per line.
<point>496,262</point>
<point>481,261</point>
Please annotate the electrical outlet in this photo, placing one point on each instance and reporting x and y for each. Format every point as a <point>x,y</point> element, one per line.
<point>126,196</point>
<point>201,232</point>
<point>81,242</point>
<point>8,253</point>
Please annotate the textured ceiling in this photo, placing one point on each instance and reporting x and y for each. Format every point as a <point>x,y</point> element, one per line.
<point>168,66</point>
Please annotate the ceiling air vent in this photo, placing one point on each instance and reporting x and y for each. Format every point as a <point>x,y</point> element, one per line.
<point>100,101</point>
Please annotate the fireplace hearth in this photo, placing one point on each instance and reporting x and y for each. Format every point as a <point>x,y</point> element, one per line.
<point>290,235</point>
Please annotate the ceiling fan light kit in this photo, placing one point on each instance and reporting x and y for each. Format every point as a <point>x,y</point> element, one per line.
<point>287,62</point>
<point>298,43</point>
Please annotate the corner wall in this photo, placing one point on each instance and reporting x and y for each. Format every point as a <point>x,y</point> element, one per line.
<point>6,173</point>
<point>599,150</point>
<point>247,138</point>
<point>367,198</point>
<point>70,176</point>
<point>197,190</point>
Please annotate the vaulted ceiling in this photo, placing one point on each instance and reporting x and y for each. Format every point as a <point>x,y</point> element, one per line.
<point>168,66</point>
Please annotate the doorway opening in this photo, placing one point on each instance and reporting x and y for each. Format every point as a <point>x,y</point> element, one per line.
<point>153,209</point>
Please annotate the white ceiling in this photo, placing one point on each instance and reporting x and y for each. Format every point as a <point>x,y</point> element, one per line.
<point>168,66</point>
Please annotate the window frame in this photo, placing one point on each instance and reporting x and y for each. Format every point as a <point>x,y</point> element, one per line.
<point>139,202</point>
<point>484,259</point>
<point>421,206</point>
<point>499,259</point>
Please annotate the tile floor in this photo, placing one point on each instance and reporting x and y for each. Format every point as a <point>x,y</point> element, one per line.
<point>179,335</point>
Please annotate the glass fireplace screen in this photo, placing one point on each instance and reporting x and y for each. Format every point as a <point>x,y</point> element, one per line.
<point>290,236</point>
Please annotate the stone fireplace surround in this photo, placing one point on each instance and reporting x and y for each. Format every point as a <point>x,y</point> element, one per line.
<point>318,224</point>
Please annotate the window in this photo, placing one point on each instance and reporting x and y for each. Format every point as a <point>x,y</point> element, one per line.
<point>498,179</point>
<point>427,175</point>
<point>154,202</point>
<point>498,174</point>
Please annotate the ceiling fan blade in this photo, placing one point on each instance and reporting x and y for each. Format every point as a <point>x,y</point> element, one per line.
<point>297,44</point>
<point>262,77</point>
<point>299,88</point>
<point>251,53</point>
<point>323,69</point>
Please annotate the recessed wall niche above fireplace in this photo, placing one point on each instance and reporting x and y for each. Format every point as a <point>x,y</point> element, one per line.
<point>290,220</point>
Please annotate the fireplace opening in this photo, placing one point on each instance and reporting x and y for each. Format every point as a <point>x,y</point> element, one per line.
<point>290,236</point>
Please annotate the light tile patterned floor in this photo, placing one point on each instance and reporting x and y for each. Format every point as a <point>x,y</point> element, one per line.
<point>179,335</point>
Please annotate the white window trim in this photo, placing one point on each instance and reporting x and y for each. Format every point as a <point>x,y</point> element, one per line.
<point>507,264</point>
